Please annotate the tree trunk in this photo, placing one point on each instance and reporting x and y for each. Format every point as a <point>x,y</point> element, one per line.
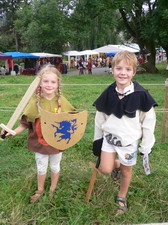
<point>166,50</point>
<point>16,40</point>
<point>150,60</point>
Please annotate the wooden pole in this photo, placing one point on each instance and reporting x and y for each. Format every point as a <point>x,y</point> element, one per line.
<point>165,115</point>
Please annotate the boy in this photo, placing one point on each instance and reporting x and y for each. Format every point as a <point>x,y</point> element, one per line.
<point>124,115</point>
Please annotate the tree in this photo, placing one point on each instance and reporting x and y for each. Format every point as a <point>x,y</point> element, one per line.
<point>43,26</point>
<point>94,24</point>
<point>138,18</point>
<point>161,24</point>
<point>9,37</point>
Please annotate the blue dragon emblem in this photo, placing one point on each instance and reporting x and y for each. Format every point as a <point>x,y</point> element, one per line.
<point>66,129</point>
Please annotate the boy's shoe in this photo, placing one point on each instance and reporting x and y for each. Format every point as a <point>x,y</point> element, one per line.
<point>122,205</point>
<point>116,174</point>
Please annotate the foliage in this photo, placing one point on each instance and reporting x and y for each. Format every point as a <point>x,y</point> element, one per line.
<point>147,196</point>
<point>8,36</point>
<point>57,25</point>
<point>161,24</point>
<point>94,24</point>
<point>43,26</point>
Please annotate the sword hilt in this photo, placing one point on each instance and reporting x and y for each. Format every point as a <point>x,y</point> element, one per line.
<point>6,130</point>
<point>3,136</point>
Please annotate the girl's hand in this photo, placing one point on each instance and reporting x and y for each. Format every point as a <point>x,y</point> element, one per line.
<point>5,134</point>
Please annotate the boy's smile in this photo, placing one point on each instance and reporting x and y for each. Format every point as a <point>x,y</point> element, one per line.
<point>123,74</point>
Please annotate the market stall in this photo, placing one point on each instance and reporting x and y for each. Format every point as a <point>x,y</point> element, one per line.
<point>54,59</point>
<point>29,61</point>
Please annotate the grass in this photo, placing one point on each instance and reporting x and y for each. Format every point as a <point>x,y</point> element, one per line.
<point>147,196</point>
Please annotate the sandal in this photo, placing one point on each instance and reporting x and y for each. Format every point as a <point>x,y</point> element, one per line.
<point>36,197</point>
<point>116,174</point>
<point>51,194</point>
<point>122,208</point>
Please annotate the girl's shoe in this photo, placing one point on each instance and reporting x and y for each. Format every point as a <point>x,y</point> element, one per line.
<point>51,194</point>
<point>36,197</point>
<point>122,205</point>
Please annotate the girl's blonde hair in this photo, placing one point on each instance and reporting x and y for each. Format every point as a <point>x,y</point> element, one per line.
<point>129,57</point>
<point>48,68</point>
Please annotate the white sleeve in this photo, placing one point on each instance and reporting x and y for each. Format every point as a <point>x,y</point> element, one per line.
<point>99,120</point>
<point>148,121</point>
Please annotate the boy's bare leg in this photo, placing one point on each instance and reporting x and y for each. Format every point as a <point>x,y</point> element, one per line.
<point>117,164</point>
<point>54,181</point>
<point>126,172</point>
<point>126,175</point>
<point>108,162</point>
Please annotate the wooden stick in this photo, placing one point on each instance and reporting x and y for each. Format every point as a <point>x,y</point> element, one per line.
<point>92,179</point>
<point>19,109</point>
<point>165,116</point>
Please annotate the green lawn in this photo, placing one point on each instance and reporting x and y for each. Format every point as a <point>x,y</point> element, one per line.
<point>147,196</point>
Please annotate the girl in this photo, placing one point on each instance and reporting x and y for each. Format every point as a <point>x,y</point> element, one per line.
<point>48,96</point>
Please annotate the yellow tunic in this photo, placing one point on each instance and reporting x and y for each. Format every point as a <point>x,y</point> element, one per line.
<point>30,119</point>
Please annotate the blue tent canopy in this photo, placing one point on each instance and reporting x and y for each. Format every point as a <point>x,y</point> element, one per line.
<point>21,55</point>
<point>4,56</point>
<point>111,53</point>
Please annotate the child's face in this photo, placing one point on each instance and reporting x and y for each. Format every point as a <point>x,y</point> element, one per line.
<point>49,84</point>
<point>123,74</point>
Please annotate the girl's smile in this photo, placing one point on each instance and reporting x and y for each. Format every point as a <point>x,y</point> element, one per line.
<point>49,84</point>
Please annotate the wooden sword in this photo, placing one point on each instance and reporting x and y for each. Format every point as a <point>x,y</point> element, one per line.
<point>19,109</point>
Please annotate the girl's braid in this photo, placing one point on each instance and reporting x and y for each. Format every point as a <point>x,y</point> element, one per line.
<point>59,93</point>
<point>38,95</point>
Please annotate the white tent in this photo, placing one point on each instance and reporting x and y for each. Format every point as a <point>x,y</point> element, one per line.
<point>133,45</point>
<point>89,52</point>
<point>127,48</point>
<point>86,53</point>
<point>46,55</point>
<point>71,53</point>
<point>115,48</point>
<point>107,48</point>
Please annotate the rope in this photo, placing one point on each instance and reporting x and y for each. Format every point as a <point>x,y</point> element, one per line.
<point>80,84</point>
<point>12,109</point>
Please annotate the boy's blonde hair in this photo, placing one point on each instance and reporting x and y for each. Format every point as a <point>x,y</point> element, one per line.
<point>48,68</point>
<point>129,57</point>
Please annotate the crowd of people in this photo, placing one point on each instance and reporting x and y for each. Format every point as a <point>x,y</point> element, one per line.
<point>86,65</point>
<point>29,66</point>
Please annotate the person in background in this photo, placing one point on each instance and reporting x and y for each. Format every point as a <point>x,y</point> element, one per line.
<point>89,66</point>
<point>80,66</point>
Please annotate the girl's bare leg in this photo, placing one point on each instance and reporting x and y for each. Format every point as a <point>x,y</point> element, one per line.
<point>54,181</point>
<point>41,181</point>
<point>39,193</point>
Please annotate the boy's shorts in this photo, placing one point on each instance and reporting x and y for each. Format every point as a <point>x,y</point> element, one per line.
<point>127,155</point>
